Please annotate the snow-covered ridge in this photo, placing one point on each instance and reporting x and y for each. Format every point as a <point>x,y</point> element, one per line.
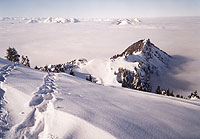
<point>133,68</point>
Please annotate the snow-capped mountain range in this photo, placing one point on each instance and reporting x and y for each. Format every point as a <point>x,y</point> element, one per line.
<point>41,20</point>
<point>120,21</point>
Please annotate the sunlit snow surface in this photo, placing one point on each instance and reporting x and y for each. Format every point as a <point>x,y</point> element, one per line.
<point>75,108</point>
<point>52,43</point>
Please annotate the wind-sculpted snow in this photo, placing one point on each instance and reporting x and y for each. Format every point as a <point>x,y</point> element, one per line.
<point>126,113</point>
<point>4,72</point>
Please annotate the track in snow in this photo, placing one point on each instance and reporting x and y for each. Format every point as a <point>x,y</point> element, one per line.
<point>4,126</point>
<point>45,91</point>
<point>42,100</point>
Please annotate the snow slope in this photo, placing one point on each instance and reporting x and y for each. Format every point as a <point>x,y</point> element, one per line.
<point>47,105</point>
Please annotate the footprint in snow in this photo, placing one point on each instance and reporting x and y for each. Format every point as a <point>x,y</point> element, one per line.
<point>36,100</point>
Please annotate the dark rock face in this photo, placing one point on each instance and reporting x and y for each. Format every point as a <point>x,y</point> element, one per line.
<point>133,79</point>
<point>150,60</point>
<point>134,48</point>
<point>137,79</point>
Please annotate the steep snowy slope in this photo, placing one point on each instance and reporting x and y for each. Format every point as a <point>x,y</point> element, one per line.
<point>46,105</point>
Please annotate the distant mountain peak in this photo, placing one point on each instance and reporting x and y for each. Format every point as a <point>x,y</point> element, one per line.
<point>125,21</point>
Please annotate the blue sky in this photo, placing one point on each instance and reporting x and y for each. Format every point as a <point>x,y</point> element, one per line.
<point>100,8</point>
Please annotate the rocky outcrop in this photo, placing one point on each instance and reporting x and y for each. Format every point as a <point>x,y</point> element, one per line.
<point>138,79</point>
<point>150,61</point>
